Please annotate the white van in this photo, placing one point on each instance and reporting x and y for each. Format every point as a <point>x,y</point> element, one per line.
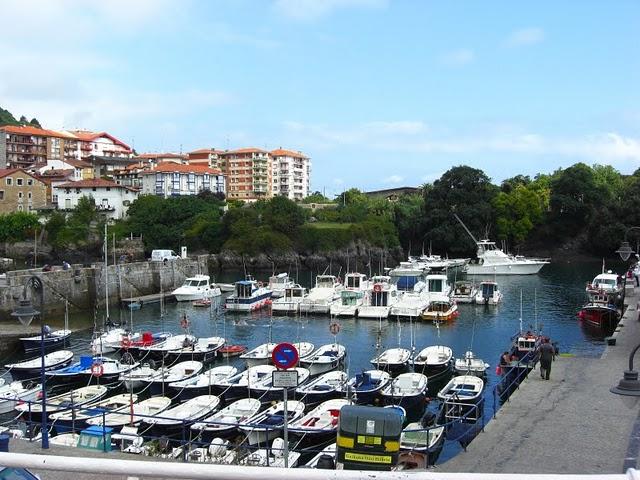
<point>162,255</point>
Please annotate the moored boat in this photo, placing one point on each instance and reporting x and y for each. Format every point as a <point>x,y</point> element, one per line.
<point>51,339</point>
<point>426,440</point>
<point>267,425</point>
<point>324,359</point>
<point>31,368</point>
<point>289,302</point>
<point>488,293</point>
<point>440,309</point>
<point>227,351</point>
<point>173,420</point>
<point>248,296</point>
<point>464,292</point>
<point>203,350</point>
<point>365,387</point>
<point>600,315</point>
<point>133,416</point>
<point>351,297</point>
<point>461,397</point>
<point>393,360</point>
<point>326,291</point>
<point>434,361</point>
<point>224,423</point>
<point>272,457</point>
<point>238,386</point>
<point>409,391</point>
<point>326,386</point>
<point>196,288</point>
<point>381,296</point>
<point>65,401</point>
<point>279,283</point>
<point>160,381</point>
<point>319,425</point>
<point>265,390</point>
<point>201,384</point>
<point>18,391</point>
<point>470,365</point>
<point>76,418</point>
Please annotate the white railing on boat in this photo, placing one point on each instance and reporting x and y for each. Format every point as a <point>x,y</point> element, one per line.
<point>137,468</point>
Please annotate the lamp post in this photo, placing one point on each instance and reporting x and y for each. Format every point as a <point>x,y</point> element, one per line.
<point>25,313</point>
<point>629,385</point>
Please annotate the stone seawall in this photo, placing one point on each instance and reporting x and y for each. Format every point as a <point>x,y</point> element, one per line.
<point>84,287</point>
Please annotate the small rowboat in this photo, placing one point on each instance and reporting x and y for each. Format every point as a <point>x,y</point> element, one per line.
<point>232,350</point>
<point>202,302</point>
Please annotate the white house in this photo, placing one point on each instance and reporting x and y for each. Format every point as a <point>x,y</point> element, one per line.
<point>291,174</point>
<point>172,179</point>
<point>110,198</point>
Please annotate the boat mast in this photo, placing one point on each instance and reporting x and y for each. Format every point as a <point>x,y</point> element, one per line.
<point>106,274</point>
<point>520,310</point>
<point>465,227</point>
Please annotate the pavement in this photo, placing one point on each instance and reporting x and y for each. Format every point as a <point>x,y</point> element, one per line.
<point>568,424</point>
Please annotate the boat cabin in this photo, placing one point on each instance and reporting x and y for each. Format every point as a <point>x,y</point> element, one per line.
<point>406,279</point>
<point>355,281</point>
<point>463,288</point>
<point>437,284</point>
<point>439,306</point>
<point>244,288</point>
<point>294,292</point>
<point>326,281</point>
<point>280,280</point>
<point>351,297</point>
<point>197,281</point>
<point>488,289</point>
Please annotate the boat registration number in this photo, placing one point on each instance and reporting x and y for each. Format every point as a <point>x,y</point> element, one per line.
<point>363,457</point>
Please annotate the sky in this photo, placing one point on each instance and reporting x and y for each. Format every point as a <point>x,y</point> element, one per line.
<point>379,93</point>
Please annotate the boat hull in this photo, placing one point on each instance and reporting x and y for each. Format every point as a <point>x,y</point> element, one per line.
<point>529,268</point>
<point>373,312</point>
<point>248,304</point>
<point>55,340</point>
<point>412,404</point>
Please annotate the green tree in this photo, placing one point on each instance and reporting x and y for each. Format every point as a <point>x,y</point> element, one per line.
<point>17,226</point>
<point>517,212</point>
<point>409,219</point>
<point>283,215</point>
<point>316,197</point>
<point>35,123</point>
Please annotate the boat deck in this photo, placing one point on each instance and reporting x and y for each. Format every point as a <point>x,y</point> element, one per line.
<point>569,424</point>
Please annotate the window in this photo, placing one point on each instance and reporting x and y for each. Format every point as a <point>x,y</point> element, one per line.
<point>30,181</point>
<point>1,194</point>
<point>20,208</point>
<point>29,195</point>
<point>9,181</point>
<point>19,182</point>
<point>20,195</point>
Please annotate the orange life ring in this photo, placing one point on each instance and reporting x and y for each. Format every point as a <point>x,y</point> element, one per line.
<point>377,288</point>
<point>97,369</point>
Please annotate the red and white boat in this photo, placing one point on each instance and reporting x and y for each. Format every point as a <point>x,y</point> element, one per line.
<point>599,314</point>
<point>605,296</point>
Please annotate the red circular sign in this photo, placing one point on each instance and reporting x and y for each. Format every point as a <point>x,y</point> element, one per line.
<point>334,328</point>
<point>285,356</point>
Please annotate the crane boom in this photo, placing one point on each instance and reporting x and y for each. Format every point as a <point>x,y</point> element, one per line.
<point>465,227</point>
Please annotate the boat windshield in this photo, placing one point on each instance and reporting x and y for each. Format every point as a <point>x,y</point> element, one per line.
<point>325,282</point>
<point>435,284</point>
<point>353,281</point>
<point>405,283</point>
<point>195,283</point>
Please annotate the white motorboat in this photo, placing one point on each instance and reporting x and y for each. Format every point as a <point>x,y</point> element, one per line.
<point>111,340</point>
<point>327,455</point>
<point>204,350</point>
<point>366,386</point>
<point>431,262</point>
<point>225,422</point>
<point>196,288</point>
<point>136,378</point>
<point>203,383</point>
<point>76,418</point>
<point>271,457</point>
<point>427,440</point>
<point>461,397</point>
<point>470,365</point>
<point>159,351</point>
<point>262,354</point>
<point>69,439</point>
<point>488,293</point>
<point>238,385</point>
<point>52,339</point>
<point>604,294</point>
<point>184,414</point>
<point>267,425</point>
<point>433,361</point>
<point>326,291</point>
<point>392,360</point>
<point>409,391</point>
<point>319,424</point>
<point>279,283</point>
<point>409,280</point>
<point>159,381</point>
<point>381,296</point>
<point>327,385</point>
<point>289,302</point>
<point>248,296</point>
<point>326,358</point>
<point>436,286</point>
<point>265,391</point>
<point>133,416</point>
<point>31,368</point>
<point>351,297</point>
<point>65,401</point>
<point>19,391</point>
<point>464,292</point>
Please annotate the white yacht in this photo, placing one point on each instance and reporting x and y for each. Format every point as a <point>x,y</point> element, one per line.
<point>437,286</point>
<point>196,288</point>
<point>289,303</point>
<point>492,260</point>
<point>488,293</point>
<point>410,283</point>
<point>381,296</point>
<point>279,283</point>
<point>352,297</point>
<point>248,296</point>
<point>320,297</point>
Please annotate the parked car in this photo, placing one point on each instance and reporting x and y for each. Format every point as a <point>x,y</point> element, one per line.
<point>162,255</point>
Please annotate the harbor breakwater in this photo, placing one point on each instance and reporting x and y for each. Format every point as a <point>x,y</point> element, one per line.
<point>84,286</point>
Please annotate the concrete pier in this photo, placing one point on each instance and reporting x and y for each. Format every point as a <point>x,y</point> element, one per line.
<point>568,424</point>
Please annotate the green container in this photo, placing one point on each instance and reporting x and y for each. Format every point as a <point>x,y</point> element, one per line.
<point>96,438</point>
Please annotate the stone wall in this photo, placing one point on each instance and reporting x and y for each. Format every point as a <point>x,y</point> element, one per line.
<point>84,287</point>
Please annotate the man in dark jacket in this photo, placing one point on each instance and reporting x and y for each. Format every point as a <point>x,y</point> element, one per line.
<point>547,352</point>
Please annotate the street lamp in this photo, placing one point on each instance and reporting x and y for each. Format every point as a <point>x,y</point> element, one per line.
<point>25,313</point>
<point>629,385</point>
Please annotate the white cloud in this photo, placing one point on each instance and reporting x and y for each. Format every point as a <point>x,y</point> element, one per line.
<point>307,10</point>
<point>457,58</point>
<point>525,37</point>
<point>394,179</point>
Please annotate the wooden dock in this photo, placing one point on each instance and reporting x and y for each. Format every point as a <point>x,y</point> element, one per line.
<point>149,299</point>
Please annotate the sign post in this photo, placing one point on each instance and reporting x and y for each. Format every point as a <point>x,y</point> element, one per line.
<point>285,356</point>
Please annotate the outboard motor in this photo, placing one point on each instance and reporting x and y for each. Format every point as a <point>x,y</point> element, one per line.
<point>326,462</point>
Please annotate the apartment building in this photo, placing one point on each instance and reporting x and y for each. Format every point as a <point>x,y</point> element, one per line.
<point>20,191</point>
<point>100,144</point>
<point>172,179</point>
<point>248,173</point>
<point>157,158</point>
<point>25,146</point>
<point>291,174</point>
<point>209,157</point>
<point>110,198</point>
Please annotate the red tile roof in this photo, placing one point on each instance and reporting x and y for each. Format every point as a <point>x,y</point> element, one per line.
<point>206,150</point>
<point>28,130</point>
<point>169,167</point>
<point>281,152</point>
<point>91,183</point>
<point>88,136</point>
<point>9,171</point>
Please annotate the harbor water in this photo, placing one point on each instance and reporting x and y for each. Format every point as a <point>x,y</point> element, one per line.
<point>550,301</point>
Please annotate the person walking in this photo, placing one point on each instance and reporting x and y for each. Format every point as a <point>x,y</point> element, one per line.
<point>547,353</point>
